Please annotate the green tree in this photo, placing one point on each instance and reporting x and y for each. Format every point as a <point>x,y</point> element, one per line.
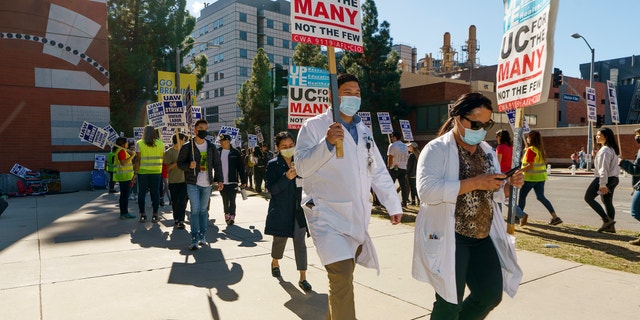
<point>142,36</point>
<point>255,96</point>
<point>377,68</point>
<point>309,55</point>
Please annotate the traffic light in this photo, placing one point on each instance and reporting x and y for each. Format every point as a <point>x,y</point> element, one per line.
<point>557,77</point>
<point>282,81</point>
<point>599,120</point>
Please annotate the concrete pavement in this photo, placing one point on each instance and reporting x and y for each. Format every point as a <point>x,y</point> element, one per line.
<point>68,256</point>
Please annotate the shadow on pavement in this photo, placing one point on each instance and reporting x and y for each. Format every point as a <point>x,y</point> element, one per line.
<point>310,305</point>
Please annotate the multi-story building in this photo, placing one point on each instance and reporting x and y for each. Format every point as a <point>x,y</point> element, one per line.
<point>237,28</point>
<point>408,57</point>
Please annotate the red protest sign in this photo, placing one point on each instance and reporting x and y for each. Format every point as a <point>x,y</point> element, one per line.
<point>331,23</point>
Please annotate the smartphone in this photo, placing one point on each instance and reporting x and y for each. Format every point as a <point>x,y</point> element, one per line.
<point>509,173</point>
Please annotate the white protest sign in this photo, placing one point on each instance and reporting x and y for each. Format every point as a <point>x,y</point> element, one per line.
<point>99,161</point>
<point>166,133</point>
<point>259,134</point>
<point>253,140</point>
<point>613,101</point>
<point>138,132</point>
<point>591,104</point>
<point>19,170</point>
<point>332,23</point>
<point>155,114</point>
<point>511,115</point>
<point>308,94</point>
<point>384,120</point>
<point>93,134</point>
<point>405,126</point>
<point>174,113</point>
<point>196,114</point>
<point>232,131</point>
<point>526,56</point>
<point>366,119</point>
<point>113,134</point>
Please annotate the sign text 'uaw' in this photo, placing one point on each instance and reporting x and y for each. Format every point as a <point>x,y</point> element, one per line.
<point>331,23</point>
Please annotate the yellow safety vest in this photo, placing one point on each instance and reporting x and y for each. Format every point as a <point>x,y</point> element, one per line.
<point>150,157</point>
<point>539,171</point>
<point>124,172</point>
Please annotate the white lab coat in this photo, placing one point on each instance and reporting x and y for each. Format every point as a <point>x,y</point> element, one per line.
<point>438,185</point>
<point>339,188</point>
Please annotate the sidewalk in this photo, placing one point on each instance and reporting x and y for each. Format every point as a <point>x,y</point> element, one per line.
<point>68,256</point>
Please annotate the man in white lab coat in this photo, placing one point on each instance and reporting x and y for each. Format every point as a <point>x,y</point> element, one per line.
<point>336,193</point>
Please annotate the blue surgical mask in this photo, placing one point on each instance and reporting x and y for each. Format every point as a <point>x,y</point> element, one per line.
<point>349,105</point>
<point>473,137</point>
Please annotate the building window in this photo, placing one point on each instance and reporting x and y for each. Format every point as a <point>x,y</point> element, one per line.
<point>270,41</point>
<point>211,114</point>
<point>215,25</point>
<point>431,117</point>
<point>243,35</point>
<point>285,27</point>
<point>243,53</point>
<point>215,76</point>
<point>269,23</point>
<point>206,95</point>
<point>206,29</point>
<point>244,72</point>
<point>285,61</point>
<point>285,44</point>
<point>271,57</point>
<point>243,17</point>
<point>222,39</point>
<point>215,93</point>
<point>221,75</point>
<point>221,92</point>
<point>221,22</point>
<point>206,78</point>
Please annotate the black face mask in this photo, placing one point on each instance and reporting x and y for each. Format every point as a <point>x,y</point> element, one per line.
<point>638,139</point>
<point>202,134</point>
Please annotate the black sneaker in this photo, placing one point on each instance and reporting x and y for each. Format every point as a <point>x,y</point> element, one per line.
<point>555,221</point>
<point>304,285</point>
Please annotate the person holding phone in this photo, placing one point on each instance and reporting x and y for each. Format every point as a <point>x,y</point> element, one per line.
<point>460,235</point>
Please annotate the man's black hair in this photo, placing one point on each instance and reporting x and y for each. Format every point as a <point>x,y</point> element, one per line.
<point>345,77</point>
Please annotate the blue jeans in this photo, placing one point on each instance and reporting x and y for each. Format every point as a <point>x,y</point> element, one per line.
<point>198,197</point>
<point>538,188</point>
<point>635,205</point>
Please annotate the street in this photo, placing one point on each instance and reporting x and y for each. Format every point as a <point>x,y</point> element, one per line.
<point>566,194</point>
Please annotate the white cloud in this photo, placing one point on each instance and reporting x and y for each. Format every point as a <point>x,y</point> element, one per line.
<point>194,7</point>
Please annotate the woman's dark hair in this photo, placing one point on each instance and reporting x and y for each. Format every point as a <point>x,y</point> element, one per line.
<point>121,141</point>
<point>535,140</point>
<point>175,140</point>
<point>149,136</point>
<point>463,106</point>
<point>282,136</point>
<point>505,137</point>
<point>610,139</point>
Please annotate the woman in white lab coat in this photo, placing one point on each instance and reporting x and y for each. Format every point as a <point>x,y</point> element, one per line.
<point>460,234</point>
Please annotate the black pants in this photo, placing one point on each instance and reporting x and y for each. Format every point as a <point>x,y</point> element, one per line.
<point>478,267</point>
<point>112,184</point>
<point>228,194</point>
<point>259,177</point>
<point>413,188</point>
<point>125,190</point>
<point>592,192</point>
<point>151,183</point>
<point>401,176</point>
<point>178,193</point>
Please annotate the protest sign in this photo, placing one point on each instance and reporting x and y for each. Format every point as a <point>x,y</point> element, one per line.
<point>113,134</point>
<point>93,134</point>
<point>526,56</point>
<point>99,161</point>
<point>591,104</point>
<point>384,120</point>
<point>155,114</point>
<point>331,23</point>
<point>308,94</point>
<point>511,115</point>
<point>613,102</point>
<point>19,170</point>
<point>174,111</point>
<point>366,119</point>
<point>259,134</point>
<point>196,114</point>
<point>166,84</point>
<point>232,131</point>
<point>252,140</point>
<point>165,134</point>
<point>137,133</point>
<point>405,126</point>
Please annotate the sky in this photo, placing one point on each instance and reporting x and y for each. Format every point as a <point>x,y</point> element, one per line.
<point>610,27</point>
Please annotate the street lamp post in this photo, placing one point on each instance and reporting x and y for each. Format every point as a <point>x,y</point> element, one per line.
<point>590,128</point>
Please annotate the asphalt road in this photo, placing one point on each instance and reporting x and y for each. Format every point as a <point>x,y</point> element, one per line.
<point>566,194</point>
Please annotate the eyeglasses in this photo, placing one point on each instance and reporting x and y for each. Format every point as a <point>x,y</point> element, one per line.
<point>476,125</point>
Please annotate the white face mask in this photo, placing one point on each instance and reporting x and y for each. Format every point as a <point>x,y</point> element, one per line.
<point>349,105</point>
<point>287,153</point>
